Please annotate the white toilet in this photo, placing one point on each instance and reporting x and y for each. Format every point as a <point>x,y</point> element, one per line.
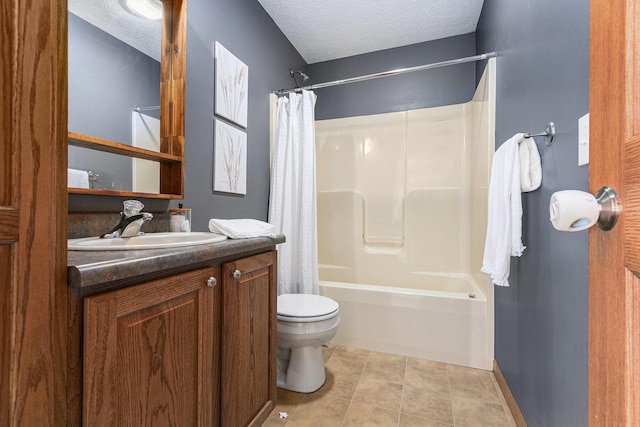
<point>305,323</point>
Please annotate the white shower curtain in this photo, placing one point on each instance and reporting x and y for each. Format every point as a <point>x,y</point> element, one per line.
<point>292,202</point>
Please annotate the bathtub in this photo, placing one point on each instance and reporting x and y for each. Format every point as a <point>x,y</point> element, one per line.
<point>450,320</point>
<point>402,203</point>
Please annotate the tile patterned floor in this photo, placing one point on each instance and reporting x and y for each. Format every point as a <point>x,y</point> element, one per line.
<point>366,388</point>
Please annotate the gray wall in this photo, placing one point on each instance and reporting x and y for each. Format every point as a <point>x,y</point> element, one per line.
<point>107,78</point>
<point>244,28</point>
<point>541,320</point>
<point>429,88</point>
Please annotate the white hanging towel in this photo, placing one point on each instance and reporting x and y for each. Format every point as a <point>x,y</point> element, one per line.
<point>504,226</point>
<point>77,178</point>
<point>530,167</point>
<point>242,228</point>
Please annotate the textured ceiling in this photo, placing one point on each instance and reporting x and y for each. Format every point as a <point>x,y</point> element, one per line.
<point>320,30</point>
<point>323,30</point>
<point>113,17</point>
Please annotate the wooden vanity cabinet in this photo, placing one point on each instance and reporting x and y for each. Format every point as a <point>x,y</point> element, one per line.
<point>150,353</point>
<point>249,340</point>
<point>176,351</point>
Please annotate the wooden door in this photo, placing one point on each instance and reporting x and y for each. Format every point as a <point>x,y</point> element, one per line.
<point>33,212</point>
<point>249,340</point>
<point>614,256</point>
<point>151,354</point>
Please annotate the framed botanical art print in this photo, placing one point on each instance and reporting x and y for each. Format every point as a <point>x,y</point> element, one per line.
<point>232,86</point>
<point>230,159</point>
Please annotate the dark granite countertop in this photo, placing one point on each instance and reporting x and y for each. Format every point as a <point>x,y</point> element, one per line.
<point>90,269</point>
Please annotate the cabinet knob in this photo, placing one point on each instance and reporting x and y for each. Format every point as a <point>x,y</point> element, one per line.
<point>212,282</point>
<point>237,274</point>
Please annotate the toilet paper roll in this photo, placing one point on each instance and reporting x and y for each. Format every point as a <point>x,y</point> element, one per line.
<point>573,210</point>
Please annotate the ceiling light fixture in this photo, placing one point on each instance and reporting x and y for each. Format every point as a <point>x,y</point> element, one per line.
<point>150,9</point>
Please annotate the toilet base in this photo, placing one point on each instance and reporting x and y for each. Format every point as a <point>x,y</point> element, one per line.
<point>304,370</point>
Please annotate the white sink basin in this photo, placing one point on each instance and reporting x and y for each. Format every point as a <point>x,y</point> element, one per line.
<point>147,241</point>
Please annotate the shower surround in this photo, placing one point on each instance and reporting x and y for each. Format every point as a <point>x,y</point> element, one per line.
<point>402,210</point>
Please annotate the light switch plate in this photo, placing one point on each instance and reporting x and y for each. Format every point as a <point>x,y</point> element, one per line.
<point>583,140</point>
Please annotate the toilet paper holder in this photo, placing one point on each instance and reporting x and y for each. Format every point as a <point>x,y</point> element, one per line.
<point>574,210</point>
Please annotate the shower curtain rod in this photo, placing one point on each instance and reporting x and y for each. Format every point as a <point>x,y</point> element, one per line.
<point>389,73</point>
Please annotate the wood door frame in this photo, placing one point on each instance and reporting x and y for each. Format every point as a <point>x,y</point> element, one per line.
<point>33,211</point>
<point>614,288</point>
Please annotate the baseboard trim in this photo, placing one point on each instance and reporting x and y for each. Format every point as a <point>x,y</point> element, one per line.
<point>508,396</point>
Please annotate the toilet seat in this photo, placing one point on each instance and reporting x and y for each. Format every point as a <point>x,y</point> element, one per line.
<point>306,308</point>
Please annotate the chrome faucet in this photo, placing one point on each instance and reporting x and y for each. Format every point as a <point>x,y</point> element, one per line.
<point>131,219</point>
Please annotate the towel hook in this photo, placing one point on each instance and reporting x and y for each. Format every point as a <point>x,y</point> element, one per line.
<point>549,133</point>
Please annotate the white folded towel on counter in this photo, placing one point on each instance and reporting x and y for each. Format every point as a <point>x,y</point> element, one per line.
<point>504,225</point>
<point>242,228</point>
<point>77,178</point>
<point>530,167</point>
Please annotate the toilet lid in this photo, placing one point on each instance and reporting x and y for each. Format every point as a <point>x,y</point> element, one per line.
<point>305,305</point>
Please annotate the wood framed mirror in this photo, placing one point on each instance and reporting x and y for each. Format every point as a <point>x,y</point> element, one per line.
<point>166,158</point>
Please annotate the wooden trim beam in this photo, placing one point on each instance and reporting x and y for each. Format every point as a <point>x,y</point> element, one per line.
<point>33,220</point>
<point>508,396</point>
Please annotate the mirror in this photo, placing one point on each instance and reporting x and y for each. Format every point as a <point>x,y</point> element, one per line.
<point>126,98</point>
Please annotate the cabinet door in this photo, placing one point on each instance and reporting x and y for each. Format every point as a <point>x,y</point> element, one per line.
<point>150,353</point>
<point>249,340</point>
